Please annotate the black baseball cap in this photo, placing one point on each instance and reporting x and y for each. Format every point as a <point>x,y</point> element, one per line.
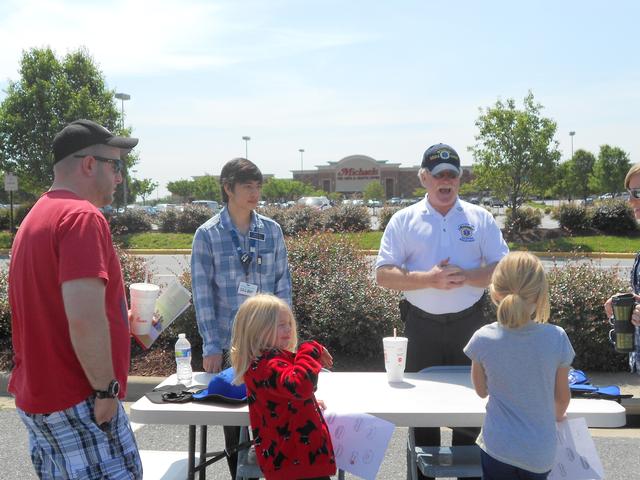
<point>440,157</point>
<point>84,133</point>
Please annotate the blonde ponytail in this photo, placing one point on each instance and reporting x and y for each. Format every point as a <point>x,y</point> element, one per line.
<point>520,291</point>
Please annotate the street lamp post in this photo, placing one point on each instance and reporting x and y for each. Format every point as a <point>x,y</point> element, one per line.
<point>301,150</point>
<point>122,97</point>
<point>571,134</point>
<point>246,146</point>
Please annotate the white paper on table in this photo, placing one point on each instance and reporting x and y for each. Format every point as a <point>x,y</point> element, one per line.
<point>576,454</point>
<point>359,441</point>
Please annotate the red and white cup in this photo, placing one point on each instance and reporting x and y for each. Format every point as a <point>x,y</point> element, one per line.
<point>395,357</point>
<point>143,306</point>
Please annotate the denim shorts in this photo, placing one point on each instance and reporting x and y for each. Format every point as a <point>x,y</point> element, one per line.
<point>68,444</point>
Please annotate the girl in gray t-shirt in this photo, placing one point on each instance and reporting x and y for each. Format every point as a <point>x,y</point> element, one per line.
<point>522,364</point>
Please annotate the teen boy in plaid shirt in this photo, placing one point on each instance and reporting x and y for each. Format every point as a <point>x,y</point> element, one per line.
<point>236,254</point>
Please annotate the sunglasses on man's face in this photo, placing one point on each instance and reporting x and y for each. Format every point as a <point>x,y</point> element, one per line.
<point>634,192</point>
<point>445,174</point>
<point>118,165</point>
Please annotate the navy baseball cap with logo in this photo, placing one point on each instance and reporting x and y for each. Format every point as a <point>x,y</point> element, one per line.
<point>441,157</point>
<point>220,388</point>
<point>84,133</point>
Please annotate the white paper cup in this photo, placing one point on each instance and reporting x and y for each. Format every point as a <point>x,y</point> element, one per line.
<point>395,357</point>
<point>143,306</point>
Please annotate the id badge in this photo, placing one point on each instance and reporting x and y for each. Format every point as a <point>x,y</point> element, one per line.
<point>247,289</point>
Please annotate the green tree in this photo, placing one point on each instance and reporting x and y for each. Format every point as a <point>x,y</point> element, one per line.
<point>581,168</point>
<point>49,94</point>
<point>144,188</point>
<point>281,189</point>
<point>373,191</point>
<point>515,151</point>
<point>181,188</point>
<point>609,170</point>
<point>206,187</point>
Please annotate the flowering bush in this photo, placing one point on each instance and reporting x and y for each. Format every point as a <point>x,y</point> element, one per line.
<point>191,218</point>
<point>577,292</point>
<point>336,300</point>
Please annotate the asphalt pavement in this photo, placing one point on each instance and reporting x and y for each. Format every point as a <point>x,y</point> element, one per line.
<point>618,449</point>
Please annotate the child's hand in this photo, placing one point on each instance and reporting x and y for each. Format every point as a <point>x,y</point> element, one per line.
<point>326,360</point>
<point>322,405</point>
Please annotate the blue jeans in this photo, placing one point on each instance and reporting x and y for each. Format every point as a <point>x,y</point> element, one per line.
<point>493,469</point>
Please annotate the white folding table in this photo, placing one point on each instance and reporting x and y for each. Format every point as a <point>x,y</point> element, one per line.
<point>428,399</point>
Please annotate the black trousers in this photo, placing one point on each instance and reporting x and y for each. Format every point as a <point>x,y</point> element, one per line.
<point>439,340</point>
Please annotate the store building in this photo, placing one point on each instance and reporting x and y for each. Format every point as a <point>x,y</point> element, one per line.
<point>352,174</point>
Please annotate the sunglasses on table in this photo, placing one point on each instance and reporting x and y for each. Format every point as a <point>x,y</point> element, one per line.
<point>634,192</point>
<point>118,165</point>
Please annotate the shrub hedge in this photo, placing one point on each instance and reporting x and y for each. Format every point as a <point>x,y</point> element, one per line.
<point>385,215</point>
<point>577,292</point>
<point>524,218</point>
<point>133,220</point>
<point>347,218</point>
<point>573,217</point>
<point>614,217</point>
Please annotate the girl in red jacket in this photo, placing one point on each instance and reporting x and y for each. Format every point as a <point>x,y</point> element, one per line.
<point>291,438</point>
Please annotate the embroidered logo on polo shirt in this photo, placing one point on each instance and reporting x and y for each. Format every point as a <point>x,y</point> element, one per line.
<point>466,232</point>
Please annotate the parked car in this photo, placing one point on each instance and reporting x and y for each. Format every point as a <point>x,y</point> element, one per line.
<point>374,203</point>
<point>320,203</point>
<point>163,207</point>
<point>474,200</point>
<point>394,201</point>
<point>496,202</point>
<point>210,204</point>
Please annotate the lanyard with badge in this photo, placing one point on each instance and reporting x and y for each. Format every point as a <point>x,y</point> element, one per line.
<point>246,258</point>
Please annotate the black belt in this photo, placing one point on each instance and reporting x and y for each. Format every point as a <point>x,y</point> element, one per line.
<point>446,317</point>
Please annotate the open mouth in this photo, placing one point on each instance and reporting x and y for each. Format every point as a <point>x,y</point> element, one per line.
<point>444,190</point>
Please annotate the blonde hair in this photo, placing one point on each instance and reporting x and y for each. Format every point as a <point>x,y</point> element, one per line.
<point>255,329</point>
<point>635,169</point>
<point>519,289</point>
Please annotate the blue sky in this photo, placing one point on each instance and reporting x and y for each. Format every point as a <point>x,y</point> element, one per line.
<point>337,78</point>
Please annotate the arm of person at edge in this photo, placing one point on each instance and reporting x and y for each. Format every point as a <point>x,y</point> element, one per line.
<point>562,394</point>
<point>635,317</point>
<point>89,331</point>
<point>282,288</point>
<point>202,273</point>
<point>479,379</point>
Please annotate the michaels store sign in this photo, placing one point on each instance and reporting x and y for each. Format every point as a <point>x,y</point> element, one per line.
<point>354,173</point>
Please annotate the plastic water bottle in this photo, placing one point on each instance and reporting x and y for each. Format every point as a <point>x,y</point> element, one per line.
<point>183,359</point>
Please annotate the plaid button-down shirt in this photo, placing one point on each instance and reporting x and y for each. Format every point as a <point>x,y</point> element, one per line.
<point>216,273</point>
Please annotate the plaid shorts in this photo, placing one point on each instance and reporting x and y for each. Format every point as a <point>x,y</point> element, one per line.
<point>69,445</point>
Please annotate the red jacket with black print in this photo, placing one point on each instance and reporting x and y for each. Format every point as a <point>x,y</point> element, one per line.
<point>291,437</point>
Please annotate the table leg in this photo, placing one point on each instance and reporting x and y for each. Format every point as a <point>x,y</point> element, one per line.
<point>191,474</point>
<point>203,451</point>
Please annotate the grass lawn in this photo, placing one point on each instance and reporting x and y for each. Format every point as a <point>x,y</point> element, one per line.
<point>371,241</point>
<point>596,243</point>
<point>155,240</point>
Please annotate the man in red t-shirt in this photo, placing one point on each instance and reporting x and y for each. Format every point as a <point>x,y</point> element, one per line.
<point>70,325</point>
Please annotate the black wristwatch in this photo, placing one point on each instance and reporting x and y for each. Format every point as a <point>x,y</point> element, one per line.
<point>112,390</point>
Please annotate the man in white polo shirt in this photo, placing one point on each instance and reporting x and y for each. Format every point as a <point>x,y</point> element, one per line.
<point>440,252</point>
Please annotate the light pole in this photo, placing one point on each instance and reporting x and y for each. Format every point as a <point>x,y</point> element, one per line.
<point>571,134</point>
<point>246,146</point>
<point>301,150</point>
<point>122,97</point>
